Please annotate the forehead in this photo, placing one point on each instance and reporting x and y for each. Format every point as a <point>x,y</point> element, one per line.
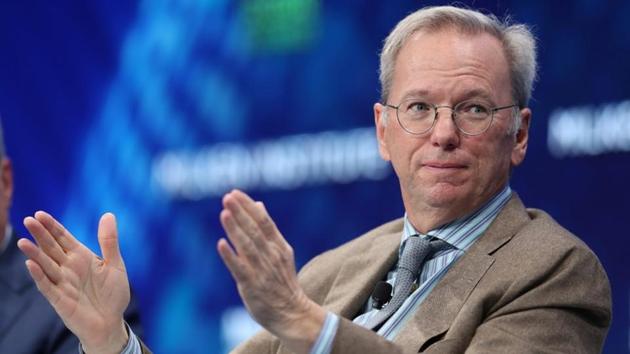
<point>450,61</point>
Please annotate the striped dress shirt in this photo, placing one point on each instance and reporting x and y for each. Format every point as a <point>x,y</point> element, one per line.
<point>132,347</point>
<point>459,234</point>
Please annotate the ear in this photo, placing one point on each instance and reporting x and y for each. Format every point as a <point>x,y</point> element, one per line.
<point>380,120</point>
<point>521,138</point>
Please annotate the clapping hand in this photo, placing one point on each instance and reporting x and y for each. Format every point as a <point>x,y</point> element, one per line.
<point>88,292</point>
<point>263,266</point>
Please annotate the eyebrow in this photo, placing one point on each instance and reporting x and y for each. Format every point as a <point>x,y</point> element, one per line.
<point>476,93</point>
<point>467,95</point>
<point>414,93</point>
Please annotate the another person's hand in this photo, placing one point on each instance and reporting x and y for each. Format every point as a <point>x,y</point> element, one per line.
<point>88,292</point>
<point>263,266</point>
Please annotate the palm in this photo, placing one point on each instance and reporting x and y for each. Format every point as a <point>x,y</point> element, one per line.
<point>96,293</point>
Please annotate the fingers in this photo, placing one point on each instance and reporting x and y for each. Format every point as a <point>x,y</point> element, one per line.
<point>258,213</point>
<point>252,218</point>
<point>241,241</point>
<point>242,227</point>
<point>44,284</point>
<point>63,237</point>
<point>46,267</point>
<point>231,260</point>
<point>108,240</point>
<point>261,262</point>
<point>44,237</point>
<point>253,235</point>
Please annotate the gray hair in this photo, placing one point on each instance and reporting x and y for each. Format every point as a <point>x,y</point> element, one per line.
<point>518,42</point>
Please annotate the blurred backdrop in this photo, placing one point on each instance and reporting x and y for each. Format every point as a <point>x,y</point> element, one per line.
<point>152,109</point>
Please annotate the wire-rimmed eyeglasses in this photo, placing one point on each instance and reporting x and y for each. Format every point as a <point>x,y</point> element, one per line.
<point>470,117</point>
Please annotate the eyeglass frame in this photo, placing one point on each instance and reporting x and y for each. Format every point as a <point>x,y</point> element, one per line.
<point>453,114</point>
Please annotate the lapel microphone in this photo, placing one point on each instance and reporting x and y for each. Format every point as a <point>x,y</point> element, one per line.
<point>381,294</point>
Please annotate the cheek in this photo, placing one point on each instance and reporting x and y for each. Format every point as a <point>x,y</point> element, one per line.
<point>400,159</point>
<point>402,149</point>
<point>494,164</point>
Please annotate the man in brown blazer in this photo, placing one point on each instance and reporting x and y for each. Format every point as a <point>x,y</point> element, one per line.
<point>526,286</point>
<point>476,271</point>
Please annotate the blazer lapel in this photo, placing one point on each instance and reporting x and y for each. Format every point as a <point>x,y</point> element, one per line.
<point>359,273</point>
<point>439,309</point>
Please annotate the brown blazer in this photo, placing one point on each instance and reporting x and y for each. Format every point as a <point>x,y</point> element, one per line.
<point>526,286</point>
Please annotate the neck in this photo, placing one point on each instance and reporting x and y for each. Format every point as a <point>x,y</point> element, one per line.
<point>425,217</point>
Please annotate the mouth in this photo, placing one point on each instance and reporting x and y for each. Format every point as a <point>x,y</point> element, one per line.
<point>443,167</point>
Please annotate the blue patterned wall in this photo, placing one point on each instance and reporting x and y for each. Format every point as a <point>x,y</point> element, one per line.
<point>152,109</point>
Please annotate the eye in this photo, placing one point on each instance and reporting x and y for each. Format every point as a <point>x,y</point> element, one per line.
<point>473,108</point>
<point>418,107</point>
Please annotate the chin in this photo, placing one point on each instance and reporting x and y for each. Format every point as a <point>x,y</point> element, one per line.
<point>444,195</point>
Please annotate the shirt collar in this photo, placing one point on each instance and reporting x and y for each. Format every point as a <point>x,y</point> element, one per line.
<point>462,232</point>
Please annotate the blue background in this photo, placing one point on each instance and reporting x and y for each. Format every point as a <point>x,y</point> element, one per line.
<point>93,93</point>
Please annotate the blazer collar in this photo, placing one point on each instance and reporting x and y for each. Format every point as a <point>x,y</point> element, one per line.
<point>358,274</point>
<point>437,312</point>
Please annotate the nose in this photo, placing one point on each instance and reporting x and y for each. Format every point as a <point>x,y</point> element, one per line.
<point>445,134</point>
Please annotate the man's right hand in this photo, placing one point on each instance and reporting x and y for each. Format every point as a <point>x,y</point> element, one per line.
<point>88,292</point>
